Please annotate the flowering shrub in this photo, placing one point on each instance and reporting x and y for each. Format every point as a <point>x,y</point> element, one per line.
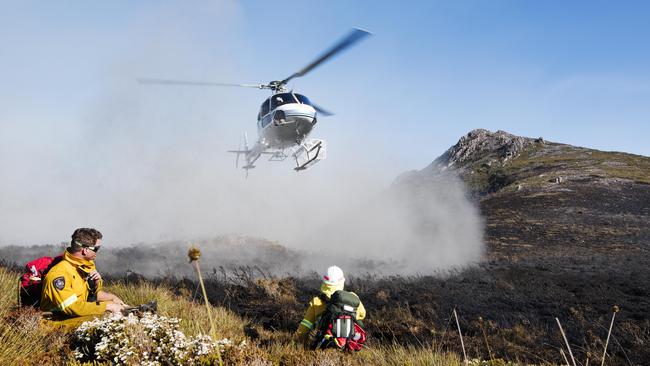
<point>149,340</point>
<point>494,362</point>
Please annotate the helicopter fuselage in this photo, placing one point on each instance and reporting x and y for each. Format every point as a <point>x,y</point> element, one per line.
<point>285,120</point>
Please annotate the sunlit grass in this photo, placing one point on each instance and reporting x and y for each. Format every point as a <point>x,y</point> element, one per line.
<point>23,339</point>
<point>26,340</point>
<point>194,317</point>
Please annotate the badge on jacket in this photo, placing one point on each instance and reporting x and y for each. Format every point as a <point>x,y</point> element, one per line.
<point>59,283</point>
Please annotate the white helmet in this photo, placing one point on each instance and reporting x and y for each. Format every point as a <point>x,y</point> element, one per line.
<point>333,276</point>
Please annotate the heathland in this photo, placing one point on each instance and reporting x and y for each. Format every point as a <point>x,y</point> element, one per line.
<point>567,232</point>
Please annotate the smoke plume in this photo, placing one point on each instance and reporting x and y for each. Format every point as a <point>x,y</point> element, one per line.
<point>148,164</point>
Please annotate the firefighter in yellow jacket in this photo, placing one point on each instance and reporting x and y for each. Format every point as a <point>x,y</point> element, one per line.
<point>72,289</point>
<point>333,280</point>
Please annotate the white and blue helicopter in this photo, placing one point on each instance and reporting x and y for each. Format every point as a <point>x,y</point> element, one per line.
<point>285,118</point>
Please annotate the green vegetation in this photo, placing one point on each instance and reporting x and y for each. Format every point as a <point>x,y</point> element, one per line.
<point>539,165</point>
<point>22,340</point>
<point>26,340</point>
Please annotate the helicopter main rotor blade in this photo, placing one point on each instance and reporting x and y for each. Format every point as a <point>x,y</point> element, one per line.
<point>322,111</point>
<point>194,83</point>
<point>353,37</point>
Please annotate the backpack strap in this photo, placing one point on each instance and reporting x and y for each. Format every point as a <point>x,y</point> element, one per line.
<point>323,298</point>
<point>319,320</point>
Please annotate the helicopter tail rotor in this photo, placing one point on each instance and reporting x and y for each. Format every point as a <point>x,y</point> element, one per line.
<point>245,151</point>
<point>250,154</point>
<point>240,149</point>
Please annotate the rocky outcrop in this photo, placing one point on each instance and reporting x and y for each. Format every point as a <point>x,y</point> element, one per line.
<point>489,162</point>
<point>482,146</point>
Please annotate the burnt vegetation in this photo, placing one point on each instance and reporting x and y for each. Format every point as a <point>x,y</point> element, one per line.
<point>567,235</point>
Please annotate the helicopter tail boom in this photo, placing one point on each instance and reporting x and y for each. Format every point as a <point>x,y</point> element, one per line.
<point>251,155</point>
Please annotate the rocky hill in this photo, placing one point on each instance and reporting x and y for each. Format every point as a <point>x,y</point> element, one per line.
<point>492,161</point>
<point>546,200</point>
<point>568,236</point>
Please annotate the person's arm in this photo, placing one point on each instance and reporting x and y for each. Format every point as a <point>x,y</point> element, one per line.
<point>103,296</point>
<point>107,296</point>
<point>307,323</point>
<point>97,278</point>
<point>64,300</point>
<point>361,311</point>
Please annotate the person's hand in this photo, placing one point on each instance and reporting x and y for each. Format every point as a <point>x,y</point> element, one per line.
<point>95,276</point>
<point>114,307</point>
<point>117,300</point>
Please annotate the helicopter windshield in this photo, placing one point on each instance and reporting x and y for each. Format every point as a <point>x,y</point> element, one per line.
<point>280,99</point>
<point>303,99</point>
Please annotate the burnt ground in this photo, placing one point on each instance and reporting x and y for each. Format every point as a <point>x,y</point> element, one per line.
<point>567,235</point>
<point>570,251</point>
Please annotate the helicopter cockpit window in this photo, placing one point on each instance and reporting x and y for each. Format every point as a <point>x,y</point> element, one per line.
<point>303,99</point>
<point>280,99</point>
<point>264,110</point>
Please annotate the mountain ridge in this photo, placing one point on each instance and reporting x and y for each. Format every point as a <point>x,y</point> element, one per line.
<point>491,161</point>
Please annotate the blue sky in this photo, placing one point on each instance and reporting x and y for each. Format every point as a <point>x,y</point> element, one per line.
<point>574,72</point>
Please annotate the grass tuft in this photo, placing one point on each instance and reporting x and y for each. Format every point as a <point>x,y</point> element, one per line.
<point>26,340</point>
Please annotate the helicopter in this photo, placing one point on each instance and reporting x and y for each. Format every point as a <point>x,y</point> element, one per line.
<point>286,118</point>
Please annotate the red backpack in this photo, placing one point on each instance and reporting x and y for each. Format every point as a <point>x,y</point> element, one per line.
<point>31,281</point>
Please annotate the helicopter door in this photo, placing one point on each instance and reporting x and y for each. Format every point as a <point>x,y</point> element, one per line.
<point>264,109</point>
<point>264,118</point>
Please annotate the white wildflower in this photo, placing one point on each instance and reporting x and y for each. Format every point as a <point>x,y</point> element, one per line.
<point>146,340</point>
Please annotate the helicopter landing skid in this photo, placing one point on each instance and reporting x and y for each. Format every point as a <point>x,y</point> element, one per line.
<point>309,153</point>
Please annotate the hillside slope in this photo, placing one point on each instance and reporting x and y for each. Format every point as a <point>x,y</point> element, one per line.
<point>545,200</point>
<point>567,235</point>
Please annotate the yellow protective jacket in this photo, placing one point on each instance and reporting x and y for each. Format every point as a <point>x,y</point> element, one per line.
<point>316,309</point>
<point>65,289</point>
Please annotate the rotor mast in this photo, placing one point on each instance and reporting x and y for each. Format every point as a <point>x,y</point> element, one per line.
<point>276,86</point>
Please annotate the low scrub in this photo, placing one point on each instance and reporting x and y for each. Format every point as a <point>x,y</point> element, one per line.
<point>150,340</point>
<point>176,336</point>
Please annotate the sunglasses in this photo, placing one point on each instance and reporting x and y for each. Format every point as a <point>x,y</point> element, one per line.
<point>94,249</point>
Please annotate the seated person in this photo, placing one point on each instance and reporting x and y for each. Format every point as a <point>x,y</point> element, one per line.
<point>72,289</point>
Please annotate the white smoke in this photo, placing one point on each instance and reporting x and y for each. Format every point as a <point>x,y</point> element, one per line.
<point>148,164</point>
<point>423,226</point>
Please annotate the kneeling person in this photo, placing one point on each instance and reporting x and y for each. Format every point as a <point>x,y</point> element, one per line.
<point>333,317</point>
<point>72,289</point>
